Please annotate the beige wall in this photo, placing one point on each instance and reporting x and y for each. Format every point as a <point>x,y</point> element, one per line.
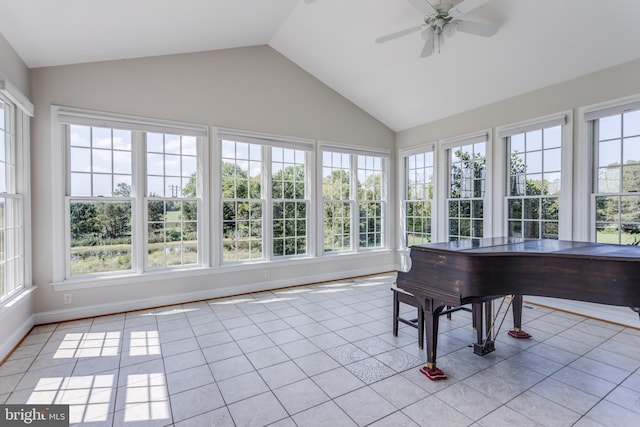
<point>253,89</point>
<point>606,85</point>
<point>13,68</point>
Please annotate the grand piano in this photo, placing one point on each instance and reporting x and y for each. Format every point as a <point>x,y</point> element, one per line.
<point>476,271</point>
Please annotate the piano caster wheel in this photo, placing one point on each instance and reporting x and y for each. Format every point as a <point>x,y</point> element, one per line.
<point>519,333</point>
<point>434,374</point>
<point>481,350</point>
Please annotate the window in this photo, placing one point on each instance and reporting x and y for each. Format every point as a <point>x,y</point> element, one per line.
<point>265,198</point>
<point>616,135</point>
<point>337,206</point>
<point>534,183</point>
<point>290,202</point>
<point>11,204</point>
<point>99,199</point>
<point>418,197</point>
<point>172,200</point>
<point>133,196</point>
<point>345,202</point>
<point>467,182</point>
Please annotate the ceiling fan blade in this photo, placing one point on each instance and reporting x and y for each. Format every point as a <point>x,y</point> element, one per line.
<point>477,28</point>
<point>425,7</point>
<point>465,6</point>
<point>392,36</point>
<point>427,35</point>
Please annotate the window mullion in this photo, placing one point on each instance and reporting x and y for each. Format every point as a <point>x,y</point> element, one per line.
<point>267,203</point>
<point>355,206</point>
<point>139,221</point>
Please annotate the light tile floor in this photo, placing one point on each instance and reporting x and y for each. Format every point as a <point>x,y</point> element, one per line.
<point>323,355</point>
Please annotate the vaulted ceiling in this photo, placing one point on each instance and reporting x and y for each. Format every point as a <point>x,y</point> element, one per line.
<point>539,43</point>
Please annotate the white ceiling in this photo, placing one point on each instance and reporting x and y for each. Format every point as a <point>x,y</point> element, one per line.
<point>539,43</point>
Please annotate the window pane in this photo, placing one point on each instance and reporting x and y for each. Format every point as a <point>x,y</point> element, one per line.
<point>100,237</point>
<point>609,127</point>
<point>155,164</point>
<point>79,136</point>
<point>121,140</point>
<point>337,226</point>
<point>101,138</point>
<point>609,153</point>
<point>155,142</point>
<point>172,233</point>
<point>80,160</point>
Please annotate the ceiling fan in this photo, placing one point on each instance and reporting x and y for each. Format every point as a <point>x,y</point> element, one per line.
<point>442,19</point>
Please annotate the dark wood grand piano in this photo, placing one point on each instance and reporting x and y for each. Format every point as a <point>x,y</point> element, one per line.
<point>480,270</point>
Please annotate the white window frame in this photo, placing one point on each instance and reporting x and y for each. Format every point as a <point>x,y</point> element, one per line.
<point>266,142</point>
<point>445,147</point>
<point>586,157</point>
<point>60,116</point>
<point>22,111</point>
<point>354,152</point>
<point>404,154</point>
<point>565,216</point>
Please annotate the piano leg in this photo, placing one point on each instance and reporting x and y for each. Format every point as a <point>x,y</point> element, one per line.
<point>431,323</point>
<point>517,331</point>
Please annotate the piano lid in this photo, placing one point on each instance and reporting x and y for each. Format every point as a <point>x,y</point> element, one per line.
<point>514,246</point>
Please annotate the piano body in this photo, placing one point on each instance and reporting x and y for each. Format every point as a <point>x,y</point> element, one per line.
<point>480,270</point>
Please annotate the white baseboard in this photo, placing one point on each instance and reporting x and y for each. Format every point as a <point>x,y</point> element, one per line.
<point>217,292</point>
<point>609,313</point>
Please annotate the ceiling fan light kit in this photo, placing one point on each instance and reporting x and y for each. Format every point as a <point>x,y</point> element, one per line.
<point>442,20</point>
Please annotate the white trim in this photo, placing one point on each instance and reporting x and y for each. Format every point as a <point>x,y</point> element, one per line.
<point>401,194</point>
<point>583,175</point>
<point>23,159</point>
<point>60,201</point>
<point>59,229</point>
<point>266,139</point>
<point>471,138</point>
<point>16,96</point>
<point>214,292</point>
<point>445,145</point>
<point>353,149</point>
<point>76,116</point>
<point>533,124</point>
<point>18,304</point>
<point>584,162</point>
<point>566,221</point>
<point>422,148</point>
<point>565,121</point>
<point>215,201</point>
<point>594,113</point>
<point>116,280</point>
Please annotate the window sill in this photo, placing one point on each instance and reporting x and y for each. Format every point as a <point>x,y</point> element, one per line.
<point>88,282</point>
<point>16,299</point>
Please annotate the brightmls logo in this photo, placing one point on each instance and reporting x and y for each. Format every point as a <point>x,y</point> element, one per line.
<point>34,415</point>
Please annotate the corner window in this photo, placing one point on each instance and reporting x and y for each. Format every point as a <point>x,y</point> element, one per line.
<point>12,255</point>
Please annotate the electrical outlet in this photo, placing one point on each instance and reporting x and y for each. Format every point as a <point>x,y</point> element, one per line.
<point>266,274</point>
<point>68,299</point>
